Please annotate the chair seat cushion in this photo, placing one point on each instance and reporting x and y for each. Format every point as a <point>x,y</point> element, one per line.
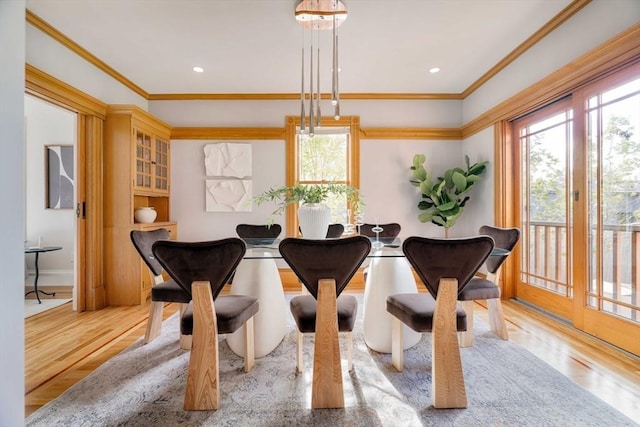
<point>232,311</point>
<point>478,288</point>
<point>169,291</point>
<point>303,309</point>
<point>417,310</point>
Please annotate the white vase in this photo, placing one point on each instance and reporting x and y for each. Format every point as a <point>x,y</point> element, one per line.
<point>145,215</point>
<point>314,220</point>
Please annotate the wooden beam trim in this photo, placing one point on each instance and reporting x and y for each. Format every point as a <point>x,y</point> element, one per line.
<point>45,86</point>
<point>410,133</point>
<point>274,133</point>
<point>230,133</point>
<point>296,96</point>
<point>621,50</point>
<point>52,32</point>
<point>573,8</point>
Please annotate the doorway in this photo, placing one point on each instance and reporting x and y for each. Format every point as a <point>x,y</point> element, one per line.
<point>50,165</point>
<point>579,208</point>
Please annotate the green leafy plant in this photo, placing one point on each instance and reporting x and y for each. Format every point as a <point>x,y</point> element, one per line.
<point>443,200</point>
<point>308,193</point>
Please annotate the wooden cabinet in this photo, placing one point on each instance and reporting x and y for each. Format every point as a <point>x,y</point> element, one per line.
<point>136,174</point>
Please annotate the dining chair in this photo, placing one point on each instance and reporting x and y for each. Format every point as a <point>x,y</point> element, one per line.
<point>162,291</point>
<point>202,269</point>
<point>489,288</point>
<point>325,268</point>
<point>333,232</point>
<point>258,231</point>
<point>445,266</point>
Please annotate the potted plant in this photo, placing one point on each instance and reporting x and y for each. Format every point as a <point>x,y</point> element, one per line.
<point>443,200</point>
<point>314,216</point>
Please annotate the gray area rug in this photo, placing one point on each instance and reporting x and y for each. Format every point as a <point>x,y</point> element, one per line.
<point>506,386</point>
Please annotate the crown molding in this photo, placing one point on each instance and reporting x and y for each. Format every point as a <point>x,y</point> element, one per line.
<point>49,30</point>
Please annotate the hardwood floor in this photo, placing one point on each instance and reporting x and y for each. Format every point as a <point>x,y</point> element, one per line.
<point>62,347</point>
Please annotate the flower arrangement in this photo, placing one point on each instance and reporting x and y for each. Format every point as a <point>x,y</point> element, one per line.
<point>308,193</point>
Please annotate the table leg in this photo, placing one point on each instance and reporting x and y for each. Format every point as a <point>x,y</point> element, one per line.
<point>35,284</point>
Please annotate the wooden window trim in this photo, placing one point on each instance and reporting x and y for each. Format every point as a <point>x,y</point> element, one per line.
<point>291,159</point>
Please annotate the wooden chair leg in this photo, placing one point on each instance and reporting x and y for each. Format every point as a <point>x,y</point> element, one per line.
<point>249,350</point>
<point>203,381</point>
<point>397,355</point>
<point>496,318</point>
<point>327,391</point>
<point>154,323</point>
<point>466,337</point>
<point>448,389</point>
<point>185,340</point>
<point>299,353</point>
<point>349,337</point>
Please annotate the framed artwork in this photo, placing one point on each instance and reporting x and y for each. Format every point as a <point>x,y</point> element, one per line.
<point>59,176</point>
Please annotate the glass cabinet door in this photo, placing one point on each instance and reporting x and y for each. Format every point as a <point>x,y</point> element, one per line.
<point>161,165</point>
<point>143,160</point>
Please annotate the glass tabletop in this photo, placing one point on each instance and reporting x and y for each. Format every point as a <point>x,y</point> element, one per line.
<point>261,248</point>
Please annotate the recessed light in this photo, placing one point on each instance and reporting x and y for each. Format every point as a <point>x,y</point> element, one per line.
<point>198,69</point>
<point>434,70</point>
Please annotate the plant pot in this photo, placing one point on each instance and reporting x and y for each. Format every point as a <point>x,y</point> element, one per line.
<point>145,215</point>
<point>314,220</point>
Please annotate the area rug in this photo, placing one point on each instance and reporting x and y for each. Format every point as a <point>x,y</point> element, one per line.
<point>31,306</point>
<point>506,386</point>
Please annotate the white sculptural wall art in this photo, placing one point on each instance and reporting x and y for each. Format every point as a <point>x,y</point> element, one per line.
<point>227,159</point>
<point>228,195</point>
<point>230,165</point>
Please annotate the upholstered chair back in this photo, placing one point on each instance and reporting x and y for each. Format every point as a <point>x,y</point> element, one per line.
<point>505,238</point>
<point>212,261</point>
<point>434,259</point>
<point>143,241</point>
<point>312,260</point>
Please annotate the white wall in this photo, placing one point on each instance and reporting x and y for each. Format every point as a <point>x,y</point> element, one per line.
<point>55,59</point>
<point>188,189</point>
<point>12,45</point>
<point>479,209</point>
<point>47,124</point>
<point>430,113</point>
<point>596,23</point>
<point>384,167</point>
<point>385,175</point>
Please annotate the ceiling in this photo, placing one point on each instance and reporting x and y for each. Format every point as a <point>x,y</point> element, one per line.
<point>254,46</point>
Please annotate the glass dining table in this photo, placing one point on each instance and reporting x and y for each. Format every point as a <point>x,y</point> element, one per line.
<point>257,275</point>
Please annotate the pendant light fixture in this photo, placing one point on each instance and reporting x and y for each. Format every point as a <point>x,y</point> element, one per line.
<point>318,16</point>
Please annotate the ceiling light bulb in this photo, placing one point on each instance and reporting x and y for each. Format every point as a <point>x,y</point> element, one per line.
<point>198,69</point>
<point>434,70</point>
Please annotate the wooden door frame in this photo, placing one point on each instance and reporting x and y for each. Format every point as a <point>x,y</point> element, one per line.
<point>89,289</point>
<point>616,53</point>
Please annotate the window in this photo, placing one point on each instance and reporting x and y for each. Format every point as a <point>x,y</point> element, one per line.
<point>332,154</point>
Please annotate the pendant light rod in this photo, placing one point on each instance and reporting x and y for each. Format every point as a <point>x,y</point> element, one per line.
<point>319,15</point>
